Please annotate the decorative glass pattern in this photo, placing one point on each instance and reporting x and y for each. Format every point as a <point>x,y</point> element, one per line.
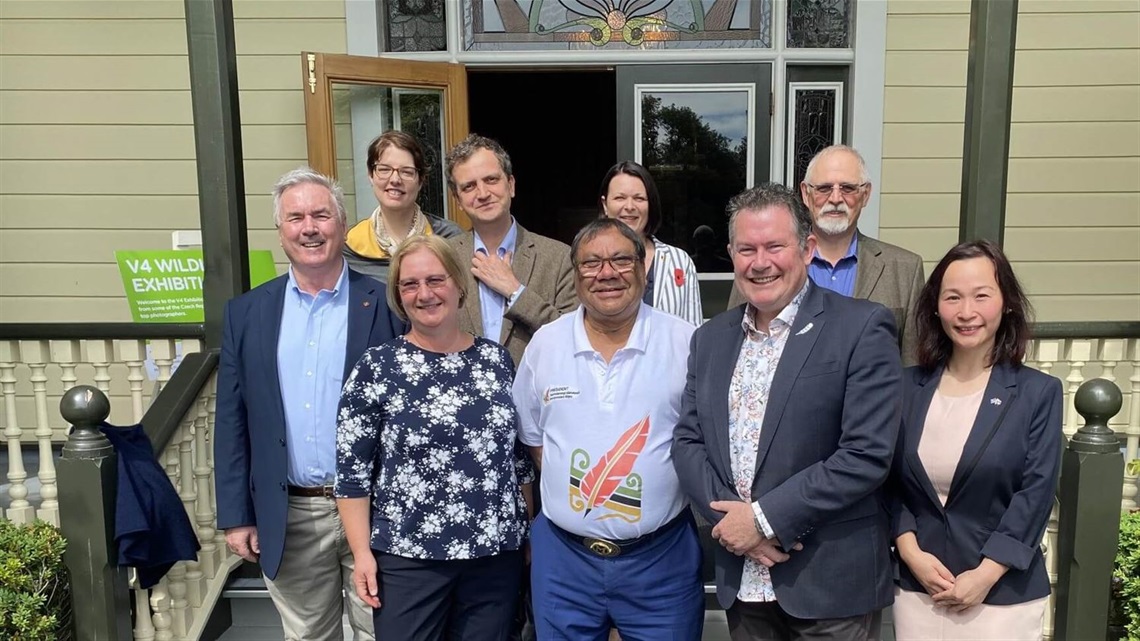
<point>814,112</point>
<point>420,113</point>
<point>499,25</point>
<point>415,25</point>
<point>819,24</point>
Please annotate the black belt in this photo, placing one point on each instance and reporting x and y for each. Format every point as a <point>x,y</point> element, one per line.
<point>321,490</point>
<point>604,548</point>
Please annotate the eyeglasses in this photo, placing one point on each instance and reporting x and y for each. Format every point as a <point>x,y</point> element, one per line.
<point>412,286</point>
<point>592,266</point>
<point>407,173</point>
<point>825,189</point>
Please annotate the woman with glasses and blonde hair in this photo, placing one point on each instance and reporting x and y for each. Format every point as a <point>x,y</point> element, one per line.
<point>429,467</point>
<point>629,194</point>
<point>397,170</point>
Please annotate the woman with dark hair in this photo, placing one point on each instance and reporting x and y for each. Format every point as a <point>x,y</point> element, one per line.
<point>397,170</point>
<point>977,460</point>
<point>629,194</point>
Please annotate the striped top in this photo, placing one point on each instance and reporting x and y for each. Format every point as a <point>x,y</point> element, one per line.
<point>676,289</point>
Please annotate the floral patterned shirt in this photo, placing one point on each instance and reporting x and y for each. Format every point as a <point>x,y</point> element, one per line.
<point>747,400</point>
<point>432,438</point>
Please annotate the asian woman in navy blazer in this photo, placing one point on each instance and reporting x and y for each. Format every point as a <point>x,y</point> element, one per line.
<point>977,462</point>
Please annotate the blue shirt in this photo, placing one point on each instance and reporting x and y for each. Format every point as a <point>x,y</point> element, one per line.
<point>840,277</point>
<point>310,365</point>
<point>491,304</point>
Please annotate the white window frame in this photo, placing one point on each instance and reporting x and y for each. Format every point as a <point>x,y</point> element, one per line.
<point>867,58</point>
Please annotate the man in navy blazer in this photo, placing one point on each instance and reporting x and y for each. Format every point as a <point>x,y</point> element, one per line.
<point>287,347</point>
<point>787,429</point>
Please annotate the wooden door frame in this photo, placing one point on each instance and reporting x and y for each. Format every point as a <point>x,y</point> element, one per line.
<point>320,70</point>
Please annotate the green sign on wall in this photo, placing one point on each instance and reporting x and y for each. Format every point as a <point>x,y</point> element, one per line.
<point>165,286</point>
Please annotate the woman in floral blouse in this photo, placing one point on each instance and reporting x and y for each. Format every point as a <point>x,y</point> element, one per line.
<point>427,429</point>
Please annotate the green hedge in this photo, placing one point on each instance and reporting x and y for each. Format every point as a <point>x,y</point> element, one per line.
<point>35,599</point>
<point>1126,575</point>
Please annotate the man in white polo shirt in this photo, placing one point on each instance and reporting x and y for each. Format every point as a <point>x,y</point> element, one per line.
<point>598,393</point>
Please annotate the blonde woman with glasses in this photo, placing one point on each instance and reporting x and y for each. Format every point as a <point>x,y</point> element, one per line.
<point>429,467</point>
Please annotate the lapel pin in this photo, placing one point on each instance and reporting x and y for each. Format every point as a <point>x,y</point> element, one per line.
<point>367,303</point>
<point>806,329</point>
<point>679,277</point>
<point>995,401</point>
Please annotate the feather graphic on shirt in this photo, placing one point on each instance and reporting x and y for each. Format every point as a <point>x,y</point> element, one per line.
<point>605,477</point>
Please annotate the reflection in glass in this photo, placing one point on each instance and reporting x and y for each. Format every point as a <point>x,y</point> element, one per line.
<point>362,112</point>
<point>415,25</point>
<point>695,143</point>
<point>814,113</point>
<point>819,24</point>
<point>615,24</point>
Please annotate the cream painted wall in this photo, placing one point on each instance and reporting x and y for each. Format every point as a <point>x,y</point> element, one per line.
<point>1073,205</point>
<point>96,138</point>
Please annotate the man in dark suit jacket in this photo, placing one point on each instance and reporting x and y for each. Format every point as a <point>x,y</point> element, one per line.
<point>835,189</point>
<point>524,280</point>
<point>288,346</point>
<point>787,429</point>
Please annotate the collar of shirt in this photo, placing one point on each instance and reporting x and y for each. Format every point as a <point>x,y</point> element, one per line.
<point>638,337</point>
<point>852,253</point>
<point>784,319</point>
<point>341,283</point>
<point>508,244</point>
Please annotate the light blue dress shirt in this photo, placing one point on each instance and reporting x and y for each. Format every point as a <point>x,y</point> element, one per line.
<point>491,305</point>
<point>839,277</point>
<point>310,365</point>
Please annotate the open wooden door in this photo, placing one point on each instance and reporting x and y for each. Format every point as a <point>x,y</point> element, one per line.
<point>349,100</point>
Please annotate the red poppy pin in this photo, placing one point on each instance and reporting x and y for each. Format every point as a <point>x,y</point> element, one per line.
<point>679,276</point>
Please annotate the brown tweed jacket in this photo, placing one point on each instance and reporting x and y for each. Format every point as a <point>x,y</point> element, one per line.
<point>543,266</point>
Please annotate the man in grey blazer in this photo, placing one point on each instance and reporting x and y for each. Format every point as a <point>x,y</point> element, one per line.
<point>524,280</point>
<point>835,189</point>
<point>787,429</point>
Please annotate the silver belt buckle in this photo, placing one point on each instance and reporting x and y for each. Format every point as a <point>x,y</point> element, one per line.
<point>601,547</point>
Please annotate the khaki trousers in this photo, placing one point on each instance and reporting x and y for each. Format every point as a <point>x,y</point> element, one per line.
<point>315,575</point>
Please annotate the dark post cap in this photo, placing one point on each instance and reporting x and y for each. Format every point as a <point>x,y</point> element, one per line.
<point>1097,401</point>
<point>85,407</point>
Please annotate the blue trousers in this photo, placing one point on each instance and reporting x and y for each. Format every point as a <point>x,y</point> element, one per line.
<point>651,594</point>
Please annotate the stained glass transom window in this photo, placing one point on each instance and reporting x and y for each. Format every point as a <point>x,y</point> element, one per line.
<point>814,127</point>
<point>819,24</point>
<point>498,25</point>
<point>415,25</point>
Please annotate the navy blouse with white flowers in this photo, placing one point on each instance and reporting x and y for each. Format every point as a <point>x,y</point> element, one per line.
<point>432,439</point>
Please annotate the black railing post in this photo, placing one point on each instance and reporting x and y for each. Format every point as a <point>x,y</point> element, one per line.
<point>1092,473</point>
<point>87,477</point>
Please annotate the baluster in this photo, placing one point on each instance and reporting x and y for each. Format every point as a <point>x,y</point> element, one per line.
<point>144,623</point>
<point>203,506</point>
<point>179,605</point>
<point>1110,352</point>
<point>211,407</point>
<point>1131,431</point>
<point>1077,351</point>
<point>101,353</point>
<point>190,346</point>
<point>188,492</point>
<point>20,511</point>
<point>133,353</point>
<point>66,354</point>
<point>1046,353</point>
<point>160,605</point>
<point>1051,564</point>
<point>162,351</point>
<point>35,354</point>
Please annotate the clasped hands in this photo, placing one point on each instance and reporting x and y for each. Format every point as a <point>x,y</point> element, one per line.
<point>738,533</point>
<point>955,593</point>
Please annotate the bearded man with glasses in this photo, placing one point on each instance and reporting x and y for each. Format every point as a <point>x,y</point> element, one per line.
<point>835,190</point>
<point>598,394</point>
